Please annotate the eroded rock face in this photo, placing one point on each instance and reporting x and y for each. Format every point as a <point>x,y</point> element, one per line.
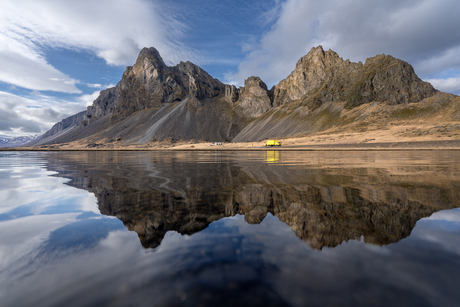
<point>312,72</point>
<point>385,78</point>
<point>71,121</point>
<point>102,106</point>
<point>231,93</point>
<point>322,76</point>
<point>150,83</point>
<point>254,100</point>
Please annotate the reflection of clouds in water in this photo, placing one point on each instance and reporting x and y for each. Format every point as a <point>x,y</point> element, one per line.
<point>22,237</point>
<point>446,215</point>
<point>48,264</point>
<point>119,262</point>
<point>441,229</point>
<point>36,212</point>
<point>118,238</point>
<point>20,191</point>
<point>87,203</point>
<point>265,256</point>
<point>103,269</point>
<point>42,194</point>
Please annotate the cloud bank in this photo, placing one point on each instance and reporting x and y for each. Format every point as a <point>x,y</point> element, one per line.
<point>27,116</point>
<point>114,30</point>
<point>420,32</point>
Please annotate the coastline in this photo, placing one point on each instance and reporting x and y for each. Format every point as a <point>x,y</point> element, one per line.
<point>394,139</point>
<point>256,146</point>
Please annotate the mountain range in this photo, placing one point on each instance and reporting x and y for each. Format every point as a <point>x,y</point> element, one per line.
<point>154,102</point>
<point>17,141</point>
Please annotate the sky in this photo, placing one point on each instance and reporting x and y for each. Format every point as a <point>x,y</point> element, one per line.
<point>56,56</point>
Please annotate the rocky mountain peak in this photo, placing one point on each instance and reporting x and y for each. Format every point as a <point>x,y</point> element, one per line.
<point>254,97</point>
<point>386,78</point>
<point>318,60</point>
<point>316,54</point>
<point>312,71</point>
<point>150,57</point>
<point>149,69</point>
<point>197,82</point>
<point>254,84</point>
<point>150,83</point>
<point>322,76</point>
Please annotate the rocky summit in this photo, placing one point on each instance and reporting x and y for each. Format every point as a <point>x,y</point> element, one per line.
<point>154,102</point>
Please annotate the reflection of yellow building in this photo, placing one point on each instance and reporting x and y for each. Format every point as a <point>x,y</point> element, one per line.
<point>273,156</point>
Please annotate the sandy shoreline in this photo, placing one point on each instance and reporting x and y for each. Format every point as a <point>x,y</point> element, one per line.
<point>395,138</point>
<point>387,146</point>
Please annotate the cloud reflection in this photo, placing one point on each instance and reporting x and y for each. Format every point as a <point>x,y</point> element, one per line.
<point>73,256</point>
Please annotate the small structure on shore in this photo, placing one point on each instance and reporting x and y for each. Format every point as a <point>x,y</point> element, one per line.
<point>273,143</point>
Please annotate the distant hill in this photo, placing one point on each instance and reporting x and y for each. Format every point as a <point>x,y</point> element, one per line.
<point>61,128</point>
<point>17,141</point>
<point>155,102</point>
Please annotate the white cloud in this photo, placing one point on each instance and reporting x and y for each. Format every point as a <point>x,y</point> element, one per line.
<point>449,85</point>
<point>113,29</point>
<point>94,85</point>
<point>442,61</point>
<point>421,32</point>
<point>35,115</point>
<point>452,215</point>
<point>33,74</point>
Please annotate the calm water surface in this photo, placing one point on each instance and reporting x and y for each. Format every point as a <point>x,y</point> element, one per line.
<point>230,229</point>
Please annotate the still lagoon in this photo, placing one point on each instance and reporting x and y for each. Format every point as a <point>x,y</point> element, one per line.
<point>230,228</point>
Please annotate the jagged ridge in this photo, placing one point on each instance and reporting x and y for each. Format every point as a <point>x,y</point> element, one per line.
<point>154,102</point>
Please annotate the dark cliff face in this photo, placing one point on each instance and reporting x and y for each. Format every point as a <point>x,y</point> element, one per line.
<point>254,98</point>
<point>102,106</point>
<point>387,79</point>
<point>165,193</point>
<point>71,121</point>
<point>63,127</point>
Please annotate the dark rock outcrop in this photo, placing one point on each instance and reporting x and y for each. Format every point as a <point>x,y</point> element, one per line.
<point>102,106</point>
<point>384,78</point>
<point>231,93</point>
<point>253,99</point>
<point>61,128</point>
<point>71,121</point>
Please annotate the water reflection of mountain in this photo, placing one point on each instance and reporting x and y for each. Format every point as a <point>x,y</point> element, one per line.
<point>153,193</point>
